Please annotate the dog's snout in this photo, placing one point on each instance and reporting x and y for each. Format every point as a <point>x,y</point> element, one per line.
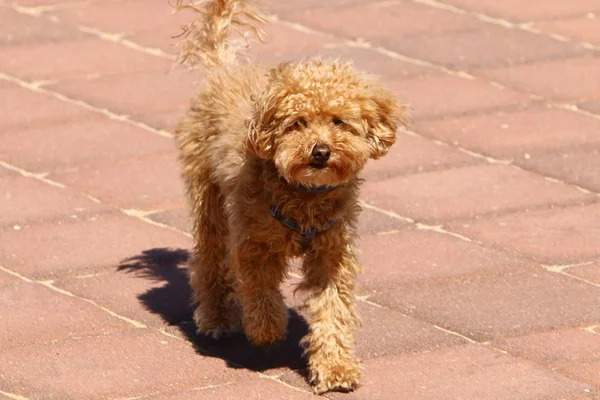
<point>321,153</point>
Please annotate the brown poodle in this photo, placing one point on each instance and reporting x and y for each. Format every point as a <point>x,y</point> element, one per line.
<point>271,159</point>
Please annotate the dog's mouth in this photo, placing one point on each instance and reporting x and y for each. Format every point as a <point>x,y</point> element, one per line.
<point>318,165</point>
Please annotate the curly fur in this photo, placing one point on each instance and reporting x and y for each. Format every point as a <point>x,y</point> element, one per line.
<point>246,144</point>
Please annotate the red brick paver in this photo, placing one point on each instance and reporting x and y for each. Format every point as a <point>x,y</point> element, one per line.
<point>480,232</point>
<point>50,316</point>
<point>583,28</point>
<point>565,80</point>
<point>63,60</point>
<point>464,372</point>
<point>76,143</point>
<point>81,366</point>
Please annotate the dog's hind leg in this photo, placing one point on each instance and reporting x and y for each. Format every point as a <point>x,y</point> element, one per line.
<point>218,311</point>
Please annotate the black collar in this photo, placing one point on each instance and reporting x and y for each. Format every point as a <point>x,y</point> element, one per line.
<point>316,189</point>
<point>307,234</point>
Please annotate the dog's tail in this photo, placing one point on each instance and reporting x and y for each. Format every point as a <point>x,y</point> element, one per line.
<point>207,43</point>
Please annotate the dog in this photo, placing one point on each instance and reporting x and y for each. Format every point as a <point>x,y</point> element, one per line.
<point>271,159</point>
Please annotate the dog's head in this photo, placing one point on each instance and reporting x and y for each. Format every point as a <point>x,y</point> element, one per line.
<point>320,122</point>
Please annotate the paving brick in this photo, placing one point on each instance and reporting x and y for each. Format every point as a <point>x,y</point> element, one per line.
<point>562,236</point>
<point>282,43</point>
<point>582,28</point>
<point>31,313</point>
<point>576,166</point>
<point>144,92</point>
<point>85,245</point>
<point>490,307</point>
<point>415,255</point>
<point>5,84</point>
<point>463,372</point>
<point>294,299</point>
<point>27,200</point>
<point>484,47</point>
<point>467,192</point>
<point>41,109</point>
<point>254,389</point>
<point>49,3</point>
<point>532,10</point>
<point>125,16</point>
<point>393,20</point>
<point>411,154</point>
<point>364,59</point>
<point>386,332</point>
<point>281,357</point>
<point>165,120</point>
<point>297,379</point>
<point>17,29</point>
<point>369,60</point>
<point>35,3</point>
<point>593,106</point>
<point>514,135</point>
<point>573,79</point>
<point>460,96</point>
<point>588,373</point>
<point>283,39</point>
<point>178,218</point>
<point>164,39</point>
<point>85,58</point>
<point>557,349</point>
<point>7,279</point>
<point>371,221</point>
<point>289,8</point>
<point>131,184</point>
<point>150,287</point>
<point>78,142</point>
<point>591,272</point>
<point>6,172</point>
<point>127,360</point>
<point>383,331</point>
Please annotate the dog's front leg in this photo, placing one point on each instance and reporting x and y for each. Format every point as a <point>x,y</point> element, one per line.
<point>259,273</point>
<point>331,271</point>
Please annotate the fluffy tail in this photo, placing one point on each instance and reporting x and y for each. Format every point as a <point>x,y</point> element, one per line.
<point>207,43</point>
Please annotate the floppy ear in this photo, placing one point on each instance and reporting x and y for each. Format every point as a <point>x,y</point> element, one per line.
<point>382,120</point>
<point>263,125</point>
<point>259,140</point>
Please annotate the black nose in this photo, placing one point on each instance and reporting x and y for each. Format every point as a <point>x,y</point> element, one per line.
<point>321,153</point>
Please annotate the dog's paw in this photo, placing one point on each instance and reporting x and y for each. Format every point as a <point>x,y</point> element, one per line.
<point>216,327</point>
<point>269,328</point>
<point>220,331</point>
<point>341,376</point>
<point>265,320</point>
<point>267,335</point>
<point>265,341</point>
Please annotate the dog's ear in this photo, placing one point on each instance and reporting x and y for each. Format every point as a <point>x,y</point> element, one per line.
<point>259,140</point>
<point>383,117</point>
<point>263,126</point>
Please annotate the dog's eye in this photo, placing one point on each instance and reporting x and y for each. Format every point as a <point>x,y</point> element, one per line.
<point>338,122</point>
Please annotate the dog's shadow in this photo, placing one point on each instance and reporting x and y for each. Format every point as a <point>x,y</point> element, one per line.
<point>172,302</point>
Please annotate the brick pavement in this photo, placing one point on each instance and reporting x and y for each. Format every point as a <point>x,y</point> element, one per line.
<point>480,233</point>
